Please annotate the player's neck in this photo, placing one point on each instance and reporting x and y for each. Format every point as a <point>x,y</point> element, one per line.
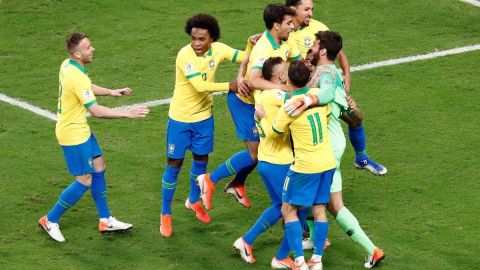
<point>325,61</point>
<point>296,25</point>
<point>275,36</point>
<point>80,62</point>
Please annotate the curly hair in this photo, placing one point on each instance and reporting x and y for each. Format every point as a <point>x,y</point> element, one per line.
<point>204,21</point>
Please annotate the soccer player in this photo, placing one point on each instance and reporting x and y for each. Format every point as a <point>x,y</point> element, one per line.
<point>190,119</point>
<point>323,53</point>
<point>274,42</point>
<point>304,35</point>
<point>274,159</point>
<point>309,178</point>
<point>81,150</point>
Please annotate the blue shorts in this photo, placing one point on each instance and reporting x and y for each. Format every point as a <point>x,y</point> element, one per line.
<point>197,137</point>
<point>80,157</point>
<point>243,118</point>
<point>273,176</point>
<point>303,189</point>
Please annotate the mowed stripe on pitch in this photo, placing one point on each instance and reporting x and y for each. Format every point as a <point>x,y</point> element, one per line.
<point>391,62</point>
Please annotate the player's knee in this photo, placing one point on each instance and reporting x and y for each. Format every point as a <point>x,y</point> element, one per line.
<point>175,163</point>
<point>319,213</point>
<point>99,164</point>
<point>85,179</point>
<point>202,158</point>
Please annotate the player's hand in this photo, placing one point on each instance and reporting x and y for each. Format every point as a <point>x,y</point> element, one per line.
<point>232,86</point>
<point>255,38</point>
<point>295,106</point>
<point>346,83</point>
<point>138,112</point>
<point>121,92</point>
<point>259,112</point>
<point>242,87</point>
<point>351,103</point>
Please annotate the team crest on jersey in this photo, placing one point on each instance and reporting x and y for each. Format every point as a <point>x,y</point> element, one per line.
<point>189,68</point>
<point>260,61</point>
<point>171,148</point>
<point>280,95</point>
<point>255,131</point>
<point>86,94</point>
<point>287,53</point>
<point>307,42</point>
<point>211,64</point>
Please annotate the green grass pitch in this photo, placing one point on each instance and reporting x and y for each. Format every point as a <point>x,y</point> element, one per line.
<point>421,121</point>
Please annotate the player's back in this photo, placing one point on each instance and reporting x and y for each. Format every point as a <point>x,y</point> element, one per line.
<point>272,150</point>
<point>313,151</point>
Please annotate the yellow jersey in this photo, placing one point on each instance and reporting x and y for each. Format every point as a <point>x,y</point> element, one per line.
<point>265,48</point>
<point>305,35</point>
<point>272,150</point>
<point>75,95</point>
<point>311,142</point>
<point>194,81</point>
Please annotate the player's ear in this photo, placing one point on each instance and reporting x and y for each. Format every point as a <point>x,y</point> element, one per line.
<point>276,26</point>
<point>77,54</point>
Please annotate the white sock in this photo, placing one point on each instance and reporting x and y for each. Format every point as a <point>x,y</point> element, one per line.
<point>316,258</point>
<point>299,260</point>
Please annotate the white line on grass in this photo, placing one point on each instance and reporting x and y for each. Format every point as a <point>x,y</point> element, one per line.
<point>397,61</point>
<point>472,2</point>
<point>27,106</point>
<point>160,102</point>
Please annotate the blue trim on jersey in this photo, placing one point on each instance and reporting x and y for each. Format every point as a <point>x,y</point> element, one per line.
<point>196,137</point>
<point>80,157</point>
<point>243,118</point>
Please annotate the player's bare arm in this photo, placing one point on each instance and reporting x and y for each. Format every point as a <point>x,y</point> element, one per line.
<point>106,112</point>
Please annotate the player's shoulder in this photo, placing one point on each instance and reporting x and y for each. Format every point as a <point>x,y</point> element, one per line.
<point>217,45</point>
<point>275,96</point>
<point>185,51</point>
<point>317,25</point>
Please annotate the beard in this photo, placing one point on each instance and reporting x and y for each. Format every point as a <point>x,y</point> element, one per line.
<point>315,58</point>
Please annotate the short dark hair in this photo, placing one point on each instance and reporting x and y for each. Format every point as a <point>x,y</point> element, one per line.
<point>73,40</point>
<point>332,41</point>
<point>268,66</point>
<point>298,73</point>
<point>204,21</point>
<point>275,13</point>
<point>292,3</point>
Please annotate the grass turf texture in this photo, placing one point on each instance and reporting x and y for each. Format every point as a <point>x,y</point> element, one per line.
<point>421,121</point>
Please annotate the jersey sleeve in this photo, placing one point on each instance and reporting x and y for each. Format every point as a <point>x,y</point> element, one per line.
<point>281,123</point>
<point>191,72</point>
<point>295,53</point>
<point>257,59</point>
<point>327,86</point>
<point>231,54</point>
<point>83,91</point>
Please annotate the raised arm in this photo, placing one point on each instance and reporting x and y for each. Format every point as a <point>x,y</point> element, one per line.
<point>345,66</point>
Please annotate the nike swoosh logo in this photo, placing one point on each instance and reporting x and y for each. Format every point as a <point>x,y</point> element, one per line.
<point>246,251</point>
<point>238,194</point>
<point>47,228</point>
